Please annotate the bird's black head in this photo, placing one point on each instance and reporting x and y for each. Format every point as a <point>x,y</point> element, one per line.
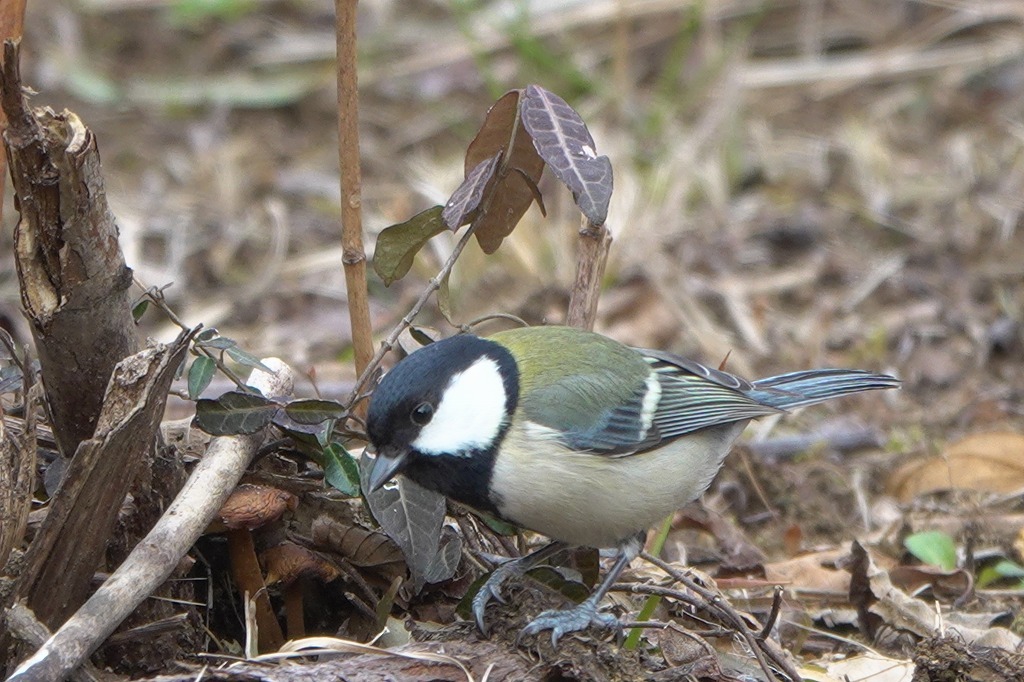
<point>452,398</point>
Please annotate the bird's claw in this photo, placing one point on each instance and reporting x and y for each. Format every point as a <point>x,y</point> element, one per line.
<point>576,619</point>
<point>491,589</point>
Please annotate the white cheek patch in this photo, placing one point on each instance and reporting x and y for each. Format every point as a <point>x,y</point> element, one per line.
<point>470,415</point>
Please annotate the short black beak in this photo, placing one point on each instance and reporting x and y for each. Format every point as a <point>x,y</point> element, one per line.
<point>389,462</point>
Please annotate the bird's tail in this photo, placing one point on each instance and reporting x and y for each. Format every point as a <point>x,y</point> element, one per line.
<point>796,389</point>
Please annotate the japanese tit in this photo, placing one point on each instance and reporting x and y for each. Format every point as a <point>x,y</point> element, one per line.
<point>572,435</point>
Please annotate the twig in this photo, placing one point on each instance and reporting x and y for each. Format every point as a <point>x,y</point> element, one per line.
<point>389,343</point>
<point>156,296</point>
<point>26,627</point>
<point>773,615</point>
<point>724,610</point>
<point>157,555</point>
<point>591,256</point>
<point>353,253</point>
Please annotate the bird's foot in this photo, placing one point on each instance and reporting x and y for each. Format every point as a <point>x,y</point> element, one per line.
<point>581,617</point>
<point>491,589</point>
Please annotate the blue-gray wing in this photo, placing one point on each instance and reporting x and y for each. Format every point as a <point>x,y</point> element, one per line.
<point>680,396</point>
<point>695,397</point>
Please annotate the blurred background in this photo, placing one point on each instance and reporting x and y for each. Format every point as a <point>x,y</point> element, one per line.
<point>798,183</point>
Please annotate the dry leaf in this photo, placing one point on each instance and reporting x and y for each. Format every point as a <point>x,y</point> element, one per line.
<point>987,462</point>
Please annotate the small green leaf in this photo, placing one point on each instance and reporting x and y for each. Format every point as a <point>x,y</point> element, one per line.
<point>235,413</point>
<point>206,335</point>
<point>398,245</point>
<point>247,359</point>
<point>421,337</point>
<point>340,469</point>
<point>217,342</point>
<point>140,309</point>
<point>314,411</point>
<point>933,547</point>
<point>200,375</point>
<point>498,526</point>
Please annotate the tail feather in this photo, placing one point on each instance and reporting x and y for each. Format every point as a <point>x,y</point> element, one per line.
<point>796,389</point>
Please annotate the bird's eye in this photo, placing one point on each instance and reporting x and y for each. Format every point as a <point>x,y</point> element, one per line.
<point>422,414</point>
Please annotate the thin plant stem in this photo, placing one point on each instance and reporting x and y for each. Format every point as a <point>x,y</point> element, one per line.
<point>392,338</point>
<point>353,253</point>
<point>651,603</point>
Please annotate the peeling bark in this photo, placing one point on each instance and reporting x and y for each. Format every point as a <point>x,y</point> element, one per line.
<point>74,281</point>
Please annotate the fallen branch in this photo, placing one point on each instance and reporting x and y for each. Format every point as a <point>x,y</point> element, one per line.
<point>154,559</point>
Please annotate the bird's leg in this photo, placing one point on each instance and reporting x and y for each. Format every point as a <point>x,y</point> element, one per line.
<point>586,614</point>
<point>491,589</point>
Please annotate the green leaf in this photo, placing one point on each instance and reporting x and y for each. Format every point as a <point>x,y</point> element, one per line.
<point>398,245</point>
<point>235,413</point>
<point>217,342</point>
<point>200,375</point>
<point>314,411</point>
<point>140,309</point>
<point>247,359</point>
<point>340,469</point>
<point>498,526</point>
<point>933,547</point>
<point>206,335</point>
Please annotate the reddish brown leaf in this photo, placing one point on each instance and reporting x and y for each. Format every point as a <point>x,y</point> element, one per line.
<point>518,172</point>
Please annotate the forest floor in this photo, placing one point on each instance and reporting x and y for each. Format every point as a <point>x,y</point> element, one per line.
<point>796,185</point>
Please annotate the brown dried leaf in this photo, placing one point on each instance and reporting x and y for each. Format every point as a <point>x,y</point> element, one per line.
<point>362,547</point>
<point>519,170</point>
<point>251,506</point>
<point>815,572</point>
<point>987,462</point>
<point>287,562</point>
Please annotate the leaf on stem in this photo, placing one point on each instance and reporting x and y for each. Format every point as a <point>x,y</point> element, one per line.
<point>311,412</point>
<point>518,171</point>
<point>564,143</point>
<point>464,204</point>
<point>200,375</point>
<point>398,245</point>
<point>235,413</point>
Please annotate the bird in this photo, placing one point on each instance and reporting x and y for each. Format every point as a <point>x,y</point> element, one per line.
<point>573,435</point>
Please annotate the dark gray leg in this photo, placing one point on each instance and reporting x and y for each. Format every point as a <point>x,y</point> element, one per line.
<point>512,568</point>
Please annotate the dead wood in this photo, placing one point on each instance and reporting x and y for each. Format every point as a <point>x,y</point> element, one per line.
<point>71,543</point>
<point>17,480</point>
<point>508,664</point>
<point>156,557</point>
<point>591,257</point>
<point>24,625</point>
<point>74,281</point>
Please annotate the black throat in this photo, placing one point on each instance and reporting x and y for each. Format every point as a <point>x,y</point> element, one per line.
<point>463,478</point>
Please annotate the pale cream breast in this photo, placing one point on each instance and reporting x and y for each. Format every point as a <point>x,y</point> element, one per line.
<point>597,500</point>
